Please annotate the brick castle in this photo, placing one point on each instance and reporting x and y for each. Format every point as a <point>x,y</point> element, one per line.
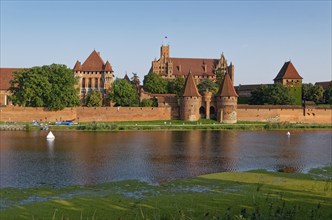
<point>95,74</point>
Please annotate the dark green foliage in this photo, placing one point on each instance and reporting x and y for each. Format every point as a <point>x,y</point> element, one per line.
<point>47,86</point>
<point>328,94</point>
<point>94,99</point>
<point>296,92</point>
<point>123,93</point>
<point>176,86</point>
<point>208,85</point>
<point>243,100</point>
<point>220,74</point>
<point>146,103</point>
<point>275,94</point>
<point>312,92</point>
<point>154,83</point>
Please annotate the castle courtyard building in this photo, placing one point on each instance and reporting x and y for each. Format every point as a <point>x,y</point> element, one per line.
<point>201,68</point>
<point>94,75</point>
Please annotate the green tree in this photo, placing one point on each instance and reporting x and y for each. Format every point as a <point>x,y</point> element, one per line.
<point>312,92</point>
<point>50,86</point>
<point>208,85</point>
<point>94,99</point>
<point>123,93</point>
<point>328,94</point>
<point>220,74</point>
<point>146,103</point>
<point>176,86</point>
<point>274,94</point>
<point>154,83</point>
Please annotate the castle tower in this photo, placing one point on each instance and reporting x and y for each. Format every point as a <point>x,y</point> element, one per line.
<point>164,51</point>
<point>289,77</point>
<point>227,102</point>
<point>191,100</point>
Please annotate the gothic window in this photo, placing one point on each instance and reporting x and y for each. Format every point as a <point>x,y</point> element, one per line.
<point>83,83</point>
<point>96,83</point>
<point>89,83</point>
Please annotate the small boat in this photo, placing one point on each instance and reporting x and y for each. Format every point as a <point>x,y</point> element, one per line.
<point>288,133</point>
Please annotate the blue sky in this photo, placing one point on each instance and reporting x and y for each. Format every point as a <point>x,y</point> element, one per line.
<point>257,36</point>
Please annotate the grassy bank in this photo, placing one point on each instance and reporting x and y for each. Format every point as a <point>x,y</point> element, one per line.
<point>174,125</point>
<point>237,195</point>
<point>181,125</point>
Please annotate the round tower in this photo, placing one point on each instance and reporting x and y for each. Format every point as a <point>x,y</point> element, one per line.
<point>191,100</point>
<point>227,102</point>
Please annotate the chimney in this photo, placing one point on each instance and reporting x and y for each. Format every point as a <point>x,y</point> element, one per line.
<point>205,68</point>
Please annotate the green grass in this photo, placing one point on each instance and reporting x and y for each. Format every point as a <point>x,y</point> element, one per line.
<point>204,124</point>
<point>232,195</point>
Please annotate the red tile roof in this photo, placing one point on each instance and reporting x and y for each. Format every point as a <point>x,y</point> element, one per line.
<point>288,71</point>
<point>190,88</point>
<point>108,67</point>
<point>78,66</point>
<point>226,88</point>
<point>6,74</point>
<point>126,77</point>
<point>181,66</point>
<point>95,63</point>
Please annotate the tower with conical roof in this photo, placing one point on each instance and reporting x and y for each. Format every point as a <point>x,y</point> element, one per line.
<point>288,76</point>
<point>227,101</point>
<point>191,100</point>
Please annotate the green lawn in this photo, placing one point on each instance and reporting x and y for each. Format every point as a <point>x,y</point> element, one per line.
<point>231,195</point>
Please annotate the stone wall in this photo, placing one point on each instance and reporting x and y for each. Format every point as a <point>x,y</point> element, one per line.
<point>80,114</point>
<point>294,114</point>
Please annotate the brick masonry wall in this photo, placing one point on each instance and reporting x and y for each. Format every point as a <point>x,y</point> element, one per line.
<point>244,113</point>
<point>294,114</point>
<point>21,114</point>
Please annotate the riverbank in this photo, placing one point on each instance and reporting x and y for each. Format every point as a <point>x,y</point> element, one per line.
<point>167,125</point>
<point>231,195</point>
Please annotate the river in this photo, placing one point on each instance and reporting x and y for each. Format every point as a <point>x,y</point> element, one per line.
<point>27,159</point>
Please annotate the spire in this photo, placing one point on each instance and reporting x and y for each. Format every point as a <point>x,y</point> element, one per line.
<point>108,67</point>
<point>126,77</point>
<point>190,88</point>
<point>77,66</point>
<point>226,89</point>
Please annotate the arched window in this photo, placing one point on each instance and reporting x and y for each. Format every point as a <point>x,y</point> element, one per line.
<point>89,83</point>
<point>96,83</point>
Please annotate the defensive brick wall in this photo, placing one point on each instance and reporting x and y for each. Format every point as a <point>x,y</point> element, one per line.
<point>123,114</point>
<point>293,114</point>
<point>296,114</point>
<point>81,114</point>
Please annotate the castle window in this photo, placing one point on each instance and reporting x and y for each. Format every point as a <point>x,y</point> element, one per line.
<point>96,83</point>
<point>89,83</point>
<point>83,83</point>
